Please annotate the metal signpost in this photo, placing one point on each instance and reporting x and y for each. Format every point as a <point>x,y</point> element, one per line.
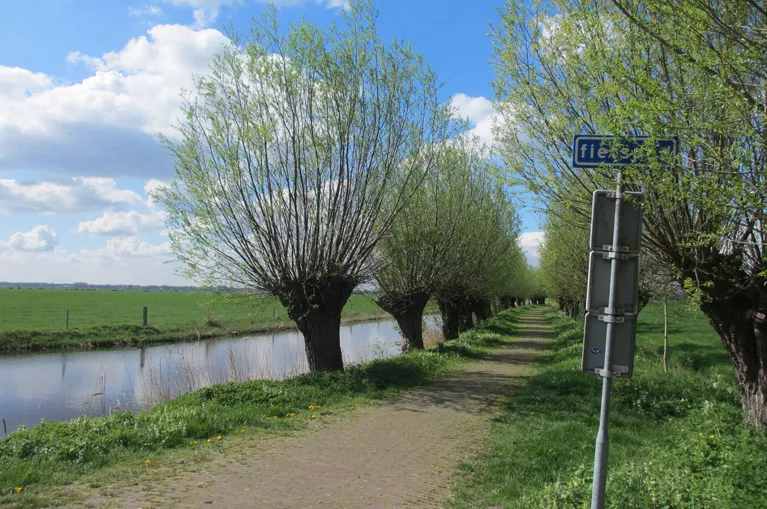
<point>611,301</point>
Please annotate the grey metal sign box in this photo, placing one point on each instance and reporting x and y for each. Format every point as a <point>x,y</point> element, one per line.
<point>602,219</point>
<point>624,345</point>
<point>627,286</point>
<point>599,283</point>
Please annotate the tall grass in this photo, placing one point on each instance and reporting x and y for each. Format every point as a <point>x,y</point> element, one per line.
<point>677,439</point>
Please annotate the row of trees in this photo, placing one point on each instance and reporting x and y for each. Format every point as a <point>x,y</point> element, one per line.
<point>456,241</point>
<point>688,68</point>
<point>311,161</point>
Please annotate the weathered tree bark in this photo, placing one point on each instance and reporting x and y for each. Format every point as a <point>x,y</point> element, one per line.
<point>408,311</point>
<point>465,318</point>
<point>482,309</point>
<point>665,334</point>
<point>744,335</point>
<point>450,311</point>
<point>643,298</point>
<point>316,308</point>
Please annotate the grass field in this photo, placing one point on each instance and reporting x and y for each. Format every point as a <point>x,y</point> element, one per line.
<point>32,318</point>
<point>57,453</point>
<point>677,439</point>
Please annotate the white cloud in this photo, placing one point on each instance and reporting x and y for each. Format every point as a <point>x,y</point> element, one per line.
<point>205,11</point>
<point>337,4</point>
<point>147,10</point>
<point>480,112</point>
<point>40,238</point>
<point>530,242</point>
<point>151,186</point>
<point>122,247</point>
<point>106,124</point>
<point>122,223</point>
<point>122,260</point>
<point>78,195</point>
<point>17,83</point>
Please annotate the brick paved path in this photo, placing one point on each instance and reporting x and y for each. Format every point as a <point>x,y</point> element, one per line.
<point>398,454</point>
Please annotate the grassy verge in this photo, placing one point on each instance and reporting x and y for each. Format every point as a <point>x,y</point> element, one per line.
<point>36,319</point>
<point>56,453</point>
<point>677,439</point>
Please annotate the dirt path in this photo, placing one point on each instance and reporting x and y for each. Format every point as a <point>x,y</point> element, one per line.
<point>399,454</point>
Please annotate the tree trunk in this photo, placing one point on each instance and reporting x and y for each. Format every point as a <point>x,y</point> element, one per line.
<point>465,318</point>
<point>744,335</point>
<point>665,334</point>
<point>643,298</point>
<point>408,311</point>
<point>482,309</point>
<point>450,312</point>
<point>316,308</point>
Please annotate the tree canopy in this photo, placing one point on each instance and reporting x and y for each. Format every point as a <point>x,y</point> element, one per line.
<point>685,68</point>
<point>296,153</point>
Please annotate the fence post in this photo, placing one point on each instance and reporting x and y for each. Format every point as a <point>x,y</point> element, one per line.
<point>66,323</point>
<point>145,316</point>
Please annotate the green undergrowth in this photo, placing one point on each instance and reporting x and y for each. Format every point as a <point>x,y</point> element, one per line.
<point>677,439</point>
<point>56,453</point>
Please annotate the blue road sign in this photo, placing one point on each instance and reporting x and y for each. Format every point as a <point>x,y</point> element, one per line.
<point>593,151</point>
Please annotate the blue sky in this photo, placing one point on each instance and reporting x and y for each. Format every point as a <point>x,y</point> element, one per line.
<point>86,86</point>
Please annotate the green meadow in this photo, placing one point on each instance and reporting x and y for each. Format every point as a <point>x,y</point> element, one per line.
<point>33,319</point>
<point>677,439</point>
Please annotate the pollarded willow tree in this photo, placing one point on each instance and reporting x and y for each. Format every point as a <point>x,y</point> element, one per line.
<point>564,260</point>
<point>484,252</point>
<point>419,247</point>
<point>688,68</point>
<point>297,151</point>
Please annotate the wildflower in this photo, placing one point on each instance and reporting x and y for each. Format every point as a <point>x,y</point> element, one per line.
<point>194,443</point>
<point>219,437</point>
<point>712,437</point>
<point>291,414</point>
<point>314,416</point>
<point>147,462</point>
<point>242,431</point>
<point>17,490</point>
<point>244,423</point>
<point>209,440</point>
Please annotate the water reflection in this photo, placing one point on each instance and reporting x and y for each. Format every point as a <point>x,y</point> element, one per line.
<point>66,384</point>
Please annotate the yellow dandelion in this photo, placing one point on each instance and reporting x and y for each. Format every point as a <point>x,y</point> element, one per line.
<point>712,436</point>
<point>244,423</point>
<point>147,462</point>
<point>314,416</point>
<point>242,431</point>
<point>219,437</point>
<point>194,443</point>
<point>209,440</point>
<point>17,490</point>
<point>291,414</point>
